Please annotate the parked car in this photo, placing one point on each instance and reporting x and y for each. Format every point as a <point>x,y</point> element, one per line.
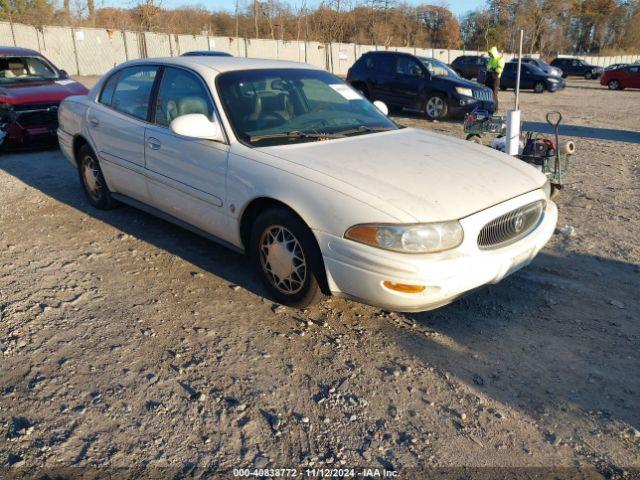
<point>403,80</point>
<point>470,66</point>
<point>207,53</point>
<point>531,78</point>
<point>615,66</point>
<point>627,76</point>
<point>289,164</point>
<point>31,89</point>
<point>542,65</point>
<point>577,67</point>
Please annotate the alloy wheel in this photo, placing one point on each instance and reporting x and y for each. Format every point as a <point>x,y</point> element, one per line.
<point>282,259</point>
<point>435,107</point>
<point>614,85</point>
<point>91,176</point>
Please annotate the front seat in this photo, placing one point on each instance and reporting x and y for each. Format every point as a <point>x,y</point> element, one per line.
<point>189,105</point>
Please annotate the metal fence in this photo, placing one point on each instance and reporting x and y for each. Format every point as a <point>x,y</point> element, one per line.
<point>93,51</point>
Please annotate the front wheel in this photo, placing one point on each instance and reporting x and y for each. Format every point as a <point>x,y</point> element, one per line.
<point>92,179</point>
<point>287,258</point>
<point>436,107</point>
<point>588,75</point>
<point>614,85</point>
<point>539,87</point>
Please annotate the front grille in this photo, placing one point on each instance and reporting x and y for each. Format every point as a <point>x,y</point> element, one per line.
<point>37,114</point>
<point>484,95</point>
<point>511,227</point>
<point>42,118</point>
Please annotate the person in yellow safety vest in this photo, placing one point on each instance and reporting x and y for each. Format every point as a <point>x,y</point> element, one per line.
<point>495,66</point>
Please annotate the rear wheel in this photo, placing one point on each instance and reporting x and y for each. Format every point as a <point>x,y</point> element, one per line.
<point>93,183</point>
<point>613,84</point>
<point>436,107</point>
<point>287,258</point>
<point>539,87</point>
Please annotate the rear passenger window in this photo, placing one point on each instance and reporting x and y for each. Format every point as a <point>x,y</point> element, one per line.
<point>181,93</point>
<point>385,63</point>
<point>133,91</point>
<point>107,91</point>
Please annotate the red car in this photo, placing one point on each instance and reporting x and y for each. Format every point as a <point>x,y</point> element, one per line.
<point>627,76</point>
<point>31,88</point>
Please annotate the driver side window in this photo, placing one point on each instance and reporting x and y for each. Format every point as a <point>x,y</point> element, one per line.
<point>181,93</point>
<point>407,66</point>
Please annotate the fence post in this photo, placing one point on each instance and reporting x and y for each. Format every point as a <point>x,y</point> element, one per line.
<point>126,48</point>
<point>208,42</point>
<point>170,46</point>
<point>75,50</point>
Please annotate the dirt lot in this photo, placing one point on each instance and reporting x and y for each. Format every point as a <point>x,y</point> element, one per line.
<point>128,343</point>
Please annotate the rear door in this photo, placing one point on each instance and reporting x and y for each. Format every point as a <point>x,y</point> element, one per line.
<point>116,125</point>
<point>186,176</point>
<point>382,67</point>
<point>508,78</point>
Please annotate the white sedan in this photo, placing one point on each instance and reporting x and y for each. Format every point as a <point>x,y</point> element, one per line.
<point>289,164</point>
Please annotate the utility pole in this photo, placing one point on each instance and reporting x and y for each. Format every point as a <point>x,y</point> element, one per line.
<point>237,21</point>
<point>255,17</point>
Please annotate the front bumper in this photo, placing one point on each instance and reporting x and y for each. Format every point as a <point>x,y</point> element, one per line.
<point>359,271</point>
<point>29,127</point>
<point>459,109</point>
<point>554,86</point>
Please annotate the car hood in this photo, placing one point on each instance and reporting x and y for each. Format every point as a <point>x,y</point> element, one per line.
<point>461,82</point>
<point>429,176</point>
<point>49,91</point>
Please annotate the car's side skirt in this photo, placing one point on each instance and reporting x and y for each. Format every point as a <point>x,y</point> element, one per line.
<point>176,221</point>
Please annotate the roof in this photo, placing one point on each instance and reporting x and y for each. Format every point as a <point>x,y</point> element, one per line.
<point>225,64</point>
<point>17,51</point>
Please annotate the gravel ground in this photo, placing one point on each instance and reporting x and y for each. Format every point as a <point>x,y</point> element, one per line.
<point>128,343</point>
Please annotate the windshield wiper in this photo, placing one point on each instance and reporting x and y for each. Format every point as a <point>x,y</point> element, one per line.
<point>295,134</point>
<point>364,129</point>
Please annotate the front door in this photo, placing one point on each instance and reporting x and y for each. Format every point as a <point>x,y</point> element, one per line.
<point>186,176</point>
<point>407,81</point>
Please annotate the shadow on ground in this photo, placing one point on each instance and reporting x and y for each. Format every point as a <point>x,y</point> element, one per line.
<point>547,338</point>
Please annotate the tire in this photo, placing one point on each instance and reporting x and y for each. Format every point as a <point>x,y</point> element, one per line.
<point>614,84</point>
<point>436,107</point>
<point>588,75</point>
<point>539,87</point>
<point>475,138</point>
<point>92,179</point>
<point>278,235</point>
<point>459,72</point>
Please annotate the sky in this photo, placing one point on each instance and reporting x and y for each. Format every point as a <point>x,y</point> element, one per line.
<point>458,7</point>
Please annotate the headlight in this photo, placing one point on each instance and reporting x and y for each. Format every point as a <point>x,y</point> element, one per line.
<point>424,238</point>
<point>553,80</point>
<point>546,188</point>
<point>464,91</point>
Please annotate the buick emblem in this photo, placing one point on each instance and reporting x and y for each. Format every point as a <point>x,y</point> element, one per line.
<point>518,222</point>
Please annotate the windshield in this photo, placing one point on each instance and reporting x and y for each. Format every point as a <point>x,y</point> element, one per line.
<point>26,69</point>
<point>437,68</point>
<point>282,106</point>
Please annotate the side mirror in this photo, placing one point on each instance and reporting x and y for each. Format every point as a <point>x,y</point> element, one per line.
<point>381,106</point>
<point>63,74</point>
<point>196,125</point>
<point>417,72</point>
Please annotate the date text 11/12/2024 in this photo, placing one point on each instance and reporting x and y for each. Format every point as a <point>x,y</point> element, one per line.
<point>315,472</point>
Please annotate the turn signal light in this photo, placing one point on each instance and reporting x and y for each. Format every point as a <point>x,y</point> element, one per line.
<point>404,288</point>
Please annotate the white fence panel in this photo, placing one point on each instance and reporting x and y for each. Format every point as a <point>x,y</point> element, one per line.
<point>261,48</point>
<point>188,43</point>
<point>158,44</point>
<point>342,57</point>
<point>292,51</point>
<point>317,54</point>
<point>58,46</point>
<point>133,49</point>
<point>441,54</point>
<point>99,50</point>
<point>26,36</point>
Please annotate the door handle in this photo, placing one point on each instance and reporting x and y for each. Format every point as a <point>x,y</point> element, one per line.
<point>93,121</point>
<point>153,143</point>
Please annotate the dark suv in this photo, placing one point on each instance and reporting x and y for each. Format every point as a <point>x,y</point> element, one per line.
<point>403,80</point>
<point>470,66</point>
<point>577,67</point>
